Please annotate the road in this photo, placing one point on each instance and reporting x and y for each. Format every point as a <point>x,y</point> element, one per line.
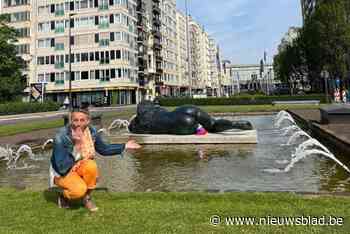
<point>12,119</point>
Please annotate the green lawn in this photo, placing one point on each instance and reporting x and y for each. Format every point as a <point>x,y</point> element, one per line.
<point>13,129</point>
<point>253,108</point>
<point>36,212</point>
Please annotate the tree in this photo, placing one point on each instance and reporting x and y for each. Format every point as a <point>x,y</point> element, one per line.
<point>290,65</point>
<point>329,35</point>
<point>11,82</point>
<point>322,44</point>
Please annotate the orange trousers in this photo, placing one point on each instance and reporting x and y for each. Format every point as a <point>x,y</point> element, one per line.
<point>79,180</point>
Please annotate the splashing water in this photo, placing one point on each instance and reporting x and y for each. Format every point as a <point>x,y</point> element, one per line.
<point>119,123</point>
<point>287,130</point>
<point>311,142</point>
<point>296,135</point>
<point>49,141</point>
<point>12,161</point>
<point>300,155</point>
<point>283,118</point>
<point>5,153</point>
<point>280,114</point>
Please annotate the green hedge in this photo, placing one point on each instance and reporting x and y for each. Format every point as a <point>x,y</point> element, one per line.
<point>238,100</point>
<point>12,108</point>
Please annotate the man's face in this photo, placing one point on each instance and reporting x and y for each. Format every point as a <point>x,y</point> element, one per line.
<point>80,120</point>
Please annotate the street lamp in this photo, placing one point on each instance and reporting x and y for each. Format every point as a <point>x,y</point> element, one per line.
<point>69,61</point>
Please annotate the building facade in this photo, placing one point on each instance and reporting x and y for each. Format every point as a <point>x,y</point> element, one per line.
<point>111,51</point>
<point>250,77</point>
<point>182,52</point>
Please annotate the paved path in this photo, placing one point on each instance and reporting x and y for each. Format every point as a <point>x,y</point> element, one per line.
<point>11,119</point>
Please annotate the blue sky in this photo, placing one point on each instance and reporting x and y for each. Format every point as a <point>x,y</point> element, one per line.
<point>245,28</point>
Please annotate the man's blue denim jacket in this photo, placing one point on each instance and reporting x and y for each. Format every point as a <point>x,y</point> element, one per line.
<point>62,159</point>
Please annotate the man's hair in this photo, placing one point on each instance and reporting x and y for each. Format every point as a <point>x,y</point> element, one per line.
<point>83,109</point>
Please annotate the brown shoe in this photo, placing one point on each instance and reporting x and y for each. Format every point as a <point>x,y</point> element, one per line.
<point>62,202</point>
<point>89,204</point>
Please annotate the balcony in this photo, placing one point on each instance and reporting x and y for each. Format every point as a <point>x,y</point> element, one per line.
<point>140,39</point>
<point>104,61</point>
<point>156,21</point>
<point>59,65</point>
<point>59,82</point>
<point>105,79</point>
<point>59,30</point>
<point>159,57</point>
<point>157,46</point>
<point>159,70</point>
<point>156,9</point>
<point>103,42</point>
<point>156,33</point>
<point>140,25</point>
<point>59,13</point>
<point>140,8</point>
<point>103,25</point>
<point>59,46</point>
<point>103,7</point>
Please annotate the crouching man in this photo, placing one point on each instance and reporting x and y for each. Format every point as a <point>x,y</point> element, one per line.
<point>73,159</point>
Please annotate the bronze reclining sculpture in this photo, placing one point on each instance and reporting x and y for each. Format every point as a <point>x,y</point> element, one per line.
<point>184,120</point>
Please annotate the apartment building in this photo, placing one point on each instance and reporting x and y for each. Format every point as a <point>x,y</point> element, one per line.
<point>170,77</point>
<point>93,42</point>
<point>20,15</point>
<point>110,51</point>
<point>213,80</point>
<point>182,52</point>
<point>200,57</point>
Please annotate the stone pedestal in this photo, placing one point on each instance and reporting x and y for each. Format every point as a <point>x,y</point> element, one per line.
<point>335,114</point>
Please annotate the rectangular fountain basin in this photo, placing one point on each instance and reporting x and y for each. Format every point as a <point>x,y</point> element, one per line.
<point>228,137</point>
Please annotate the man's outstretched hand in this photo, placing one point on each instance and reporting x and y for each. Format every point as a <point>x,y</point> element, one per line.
<point>132,144</point>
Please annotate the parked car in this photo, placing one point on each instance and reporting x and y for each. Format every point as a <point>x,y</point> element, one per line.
<point>281,90</point>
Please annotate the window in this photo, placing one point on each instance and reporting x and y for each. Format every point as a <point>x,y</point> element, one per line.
<point>112,36</point>
<point>92,56</point>
<point>41,60</point>
<point>112,54</point>
<point>117,54</point>
<point>84,57</point>
<point>44,43</point>
<point>23,32</point>
<point>92,75</point>
<point>77,57</point>
<point>19,16</point>
<point>97,56</point>
<point>83,4</point>
<point>118,36</point>
<point>84,75</point>
<point>52,77</point>
<point>23,49</point>
<point>52,59</point>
